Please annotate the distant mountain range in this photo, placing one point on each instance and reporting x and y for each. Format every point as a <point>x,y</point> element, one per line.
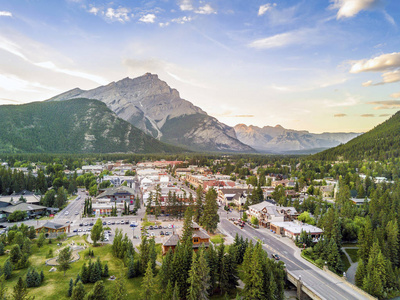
<point>151,105</point>
<point>380,143</point>
<point>73,126</point>
<point>280,140</point>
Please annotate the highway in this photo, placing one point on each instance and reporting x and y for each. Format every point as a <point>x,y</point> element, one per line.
<point>321,282</point>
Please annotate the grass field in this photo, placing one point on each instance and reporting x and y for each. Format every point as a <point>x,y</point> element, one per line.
<point>217,239</point>
<point>353,253</point>
<point>345,260</point>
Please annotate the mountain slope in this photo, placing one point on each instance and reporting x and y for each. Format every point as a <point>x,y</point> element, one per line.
<point>152,106</point>
<point>380,143</point>
<point>74,126</point>
<point>281,140</point>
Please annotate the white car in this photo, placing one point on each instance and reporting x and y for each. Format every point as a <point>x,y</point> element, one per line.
<point>80,230</point>
<point>67,213</point>
<point>118,222</point>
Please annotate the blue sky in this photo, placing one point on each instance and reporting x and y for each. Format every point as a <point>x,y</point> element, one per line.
<point>317,65</point>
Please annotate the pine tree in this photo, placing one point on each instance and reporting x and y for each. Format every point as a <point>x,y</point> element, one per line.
<point>144,254</point>
<point>199,204</point>
<point>204,274</point>
<point>253,268</point>
<point>148,283</point>
<point>95,272</point>
<point>119,290</point>
<point>105,271</point>
<point>165,273</point>
<point>175,294</point>
<point>42,276</point>
<point>77,279</point>
<point>392,243</point>
<point>210,218</point>
<point>3,288</point>
<point>64,259</point>
<point>7,269</point>
<point>168,291</point>
<point>85,276</point>
<point>99,292</point>
<point>1,248</point>
<point>194,280</point>
<point>71,288</point>
<point>79,292</point>
<point>211,258</point>
<point>131,268</point>
<point>20,292</point>
<point>360,273</point>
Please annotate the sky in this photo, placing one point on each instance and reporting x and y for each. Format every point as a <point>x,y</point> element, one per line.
<point>316,65</point>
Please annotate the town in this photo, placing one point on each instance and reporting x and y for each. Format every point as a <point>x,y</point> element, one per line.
<point>283,205</point>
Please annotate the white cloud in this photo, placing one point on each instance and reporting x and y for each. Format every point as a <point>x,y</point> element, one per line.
<point>205,10</point>
<point>264,8</point>
<point>5,14</point>
<point>395,95</point>
<point>383,62</point>
<point>149,18</point>
<point>120,14</point>
<point>94,10</point>
<point>367,83</point>
<point>14,83</point>
<point>182,20</point>
<point>163,24</point>
<point>186,5</point>
<point>349,101</point>
<point>389,104</point>
<point>282,39</point>
<point>51,66</point>
<point>349,8</point>
<point>390,77</point>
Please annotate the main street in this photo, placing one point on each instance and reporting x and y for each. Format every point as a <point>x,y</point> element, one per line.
<point>324,284</point>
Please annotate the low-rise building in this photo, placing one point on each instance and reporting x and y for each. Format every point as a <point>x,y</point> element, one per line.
<point>237,196</point>
<point>52,229</point>
<point>267,212</point>
<point>199,238</point>
<point>293,229</point>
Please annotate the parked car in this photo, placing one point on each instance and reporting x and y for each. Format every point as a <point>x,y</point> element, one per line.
<point>75,230</point>
<point>166,233</point>
<point>151,227</point>
<point>126,221</point>
<point>109,223</point>
<point>118,222</point>
<point>162,232</point>
<point>104,223</point>
<point>86,224</point>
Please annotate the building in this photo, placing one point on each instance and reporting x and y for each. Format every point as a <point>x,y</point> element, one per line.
<point>237,196</point>
<point>359,201</point>
<point>293,229</point>
<point>118,194</point>
<point>32,210</point>
<point>266,213</point>
<point>52,229</point>
<point>29,198</point>
<point>199,238</point>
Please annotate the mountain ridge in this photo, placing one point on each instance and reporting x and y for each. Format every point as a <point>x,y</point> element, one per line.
<point>278,139</point>
<point>74,126</point>
<point>151,105</point>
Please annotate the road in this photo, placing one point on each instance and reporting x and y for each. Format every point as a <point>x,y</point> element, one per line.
<point>324,284</point>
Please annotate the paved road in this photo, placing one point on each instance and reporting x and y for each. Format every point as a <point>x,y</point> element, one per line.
<point>324,284</point>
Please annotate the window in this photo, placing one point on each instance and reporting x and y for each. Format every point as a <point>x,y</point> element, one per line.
<point>195,240</point>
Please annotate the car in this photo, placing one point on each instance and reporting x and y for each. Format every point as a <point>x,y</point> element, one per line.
<point>113,223</point>
<point>75,230</point>
<point>166,233</point>
<point>67,213</point>
<point>169,226</point>
<point>275,256</point>
<point>162,232</point>
<point>118,222</point>
<point>151,227</point>
<point>80,230</point>
<point>155,227</point>
<point>85,224</point>
<point>91,223</point>
<point>109,223</point>
<point>132,225</point>
<point>126,222</point>
<point>77,213</point>
<point>165,227</point>
<point>104,223</point>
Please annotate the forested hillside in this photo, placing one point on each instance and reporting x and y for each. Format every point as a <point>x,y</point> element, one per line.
<point>380,143</point>
<point>73,126</point>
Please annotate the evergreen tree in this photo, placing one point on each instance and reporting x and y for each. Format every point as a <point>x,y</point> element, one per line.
<point>7,269</point>
<point>148,283</point>
<point>204,274</point>
<point>85,276</point>
<point>131,268</point>
<point>105,270</point>
<point>20,292</point>
<point>97,232</point>
<point>212,261</point>
<point>165,273</point>
<point>169,291</point>
<point>3,288</point>
<point>77,279</point>
<point>360,273</point>
<point>1,248</point>
<point>175,294</point>
<point>119,290</point>
<point>210,218</point>
<point>198,212</point>
<point>42,276</point>
<point>99,292</point>
<point>193,280</point>
<point>79,292</point>
<point>71,288</point>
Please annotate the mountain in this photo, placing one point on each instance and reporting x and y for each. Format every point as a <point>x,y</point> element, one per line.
<point>280,140</point>
<point>379,143</point>
<point>74,126</point>
<point>152,106</point>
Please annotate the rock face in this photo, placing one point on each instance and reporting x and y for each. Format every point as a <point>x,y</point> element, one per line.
<point>280,140</point>
<point>152,106</point>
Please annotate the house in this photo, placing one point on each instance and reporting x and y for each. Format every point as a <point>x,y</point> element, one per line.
<point>237,196</point>
<point>199,238</point>
<point>359,201</point>
<point>293,229</point>
<point>52,229</point>
<point>118,194</point>
<point>28,198</point>
<point>327,191</point>
<point>267,212</point>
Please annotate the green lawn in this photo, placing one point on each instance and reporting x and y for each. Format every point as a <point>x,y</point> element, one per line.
<point>345,260</point>
<point>217,239</point>
<point>353,253</point>
<point>55,285</point>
